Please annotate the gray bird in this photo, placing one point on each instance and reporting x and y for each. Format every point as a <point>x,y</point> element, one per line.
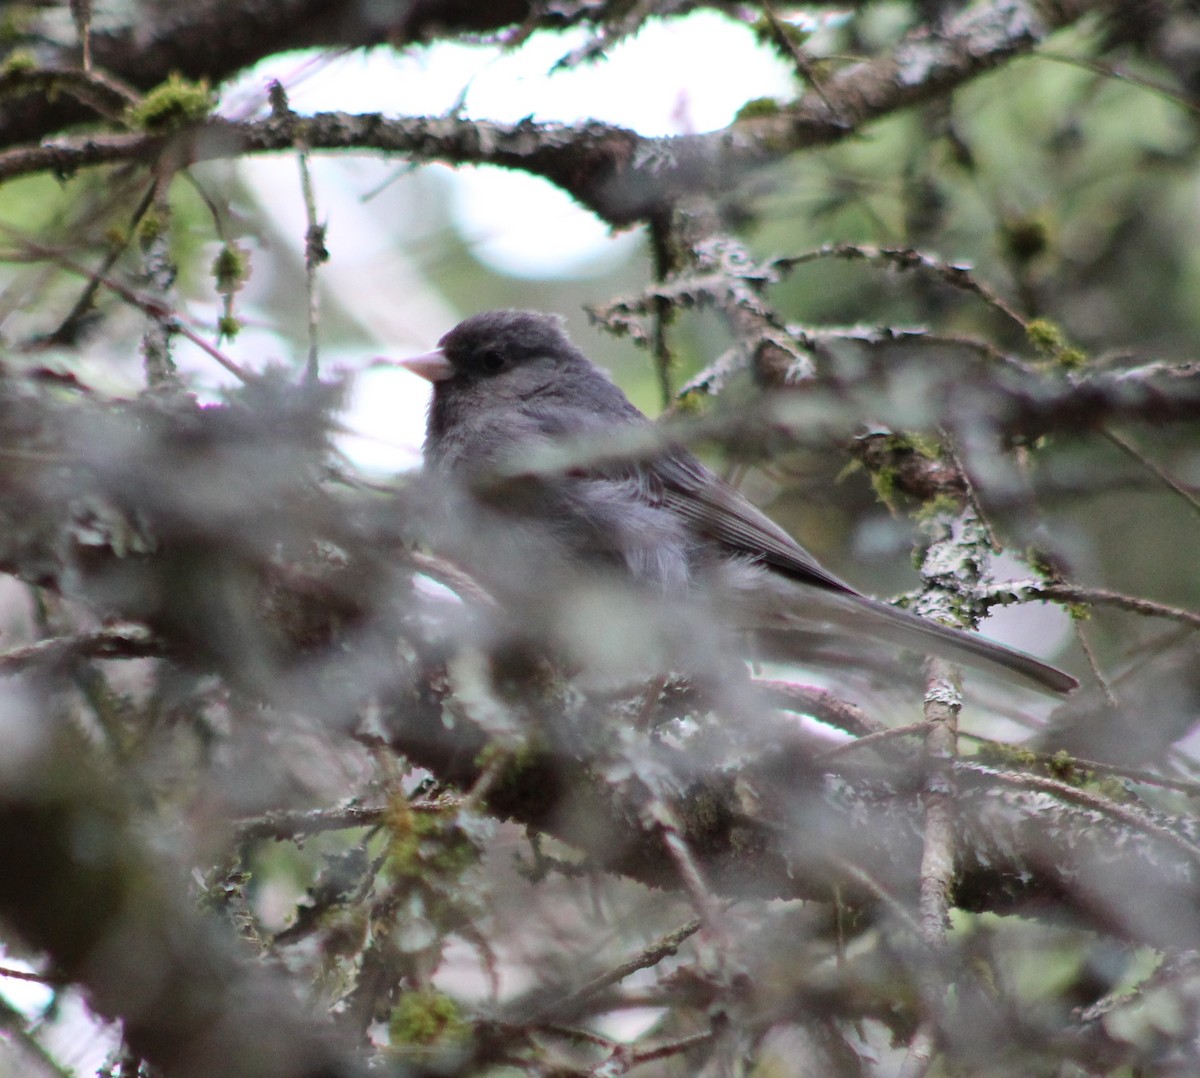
<point>508,381</point>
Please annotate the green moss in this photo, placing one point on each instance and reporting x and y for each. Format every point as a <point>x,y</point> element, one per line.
<point>231,268</point>
<point>690,403</point>
<point>1015,758</point>
<point>150,229</point>
<point>756,108</point>
<point>1061,767</point>
<point>1048,338</point>
<point>923,444</point>
<point>228,327</point>
<point>884,482</point>
<point>175,103</point>
<point>19,62</point>
<point>882,450</point>
<point>426,844</point>
<point>769,32</point>
<point>426,1017</point>
<point>905,442</point>
<point>937,506</point>
<point>1044,335</point>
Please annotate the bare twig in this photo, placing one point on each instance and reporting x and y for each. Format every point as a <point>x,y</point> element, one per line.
<point>781,33</point>
<point>1130,817</point>
<point>956,275</point>
<point>690,873</point>
<point>149,305</point>
<point>1060,759</point>
<point>1024,591</point>
<point>823,705</point>
<point>26,975</point>
<point>618,174</point>
<point>315,253</point>
<point>114,642</point>
<point>81,12</point>
<point>671,1048</point>
<point>871,740</point>
<point>290,825</point>
<point>651,955</point>
<point>1127,447</point>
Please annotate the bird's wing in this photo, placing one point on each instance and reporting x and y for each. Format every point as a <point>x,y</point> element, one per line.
<point>714,509</point>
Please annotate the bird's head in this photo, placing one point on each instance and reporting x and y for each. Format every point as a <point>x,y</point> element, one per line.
<point>497,346</point>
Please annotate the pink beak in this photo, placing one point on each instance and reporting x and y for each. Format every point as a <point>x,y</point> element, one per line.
<point>432,366</point>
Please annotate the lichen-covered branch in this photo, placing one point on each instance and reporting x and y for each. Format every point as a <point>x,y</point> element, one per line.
<point>622,176</point>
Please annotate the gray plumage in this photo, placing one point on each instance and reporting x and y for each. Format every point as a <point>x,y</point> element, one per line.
<point>510,380</point>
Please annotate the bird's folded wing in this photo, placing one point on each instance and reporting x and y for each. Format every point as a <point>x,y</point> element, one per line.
<point>716,510</point>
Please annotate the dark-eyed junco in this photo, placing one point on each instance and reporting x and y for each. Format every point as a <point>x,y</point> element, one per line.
<point>508,380</point>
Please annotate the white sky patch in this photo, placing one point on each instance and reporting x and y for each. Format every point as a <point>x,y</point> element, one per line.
<point>688,75</point>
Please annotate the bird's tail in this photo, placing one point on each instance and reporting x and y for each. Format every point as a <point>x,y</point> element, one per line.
<point>855,613</point>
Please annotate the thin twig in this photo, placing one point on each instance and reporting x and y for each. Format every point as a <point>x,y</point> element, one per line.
<point>26,975</point>
<point>649,956</point>
<point>689,871</point>
<point>1093,661</point>
<point>290,825</point>
<point>804,64</point>
<point>877,891</point>
<point>146,304</point>
<point>672,1048</point>
<point>1119,74</point>
<point>15,1024</point>
<point>1075,796</point>
<point>101,92</point>
<point>114,642</point>
<point>1161,473</point>
<point>1024,591</point>
<point>906,258</point>
<point>870,740</point>
<point>1133,774</point>
<point>81,12</point>
<point>823,705</point>
<point>67,331</point>
<point>315,253</point>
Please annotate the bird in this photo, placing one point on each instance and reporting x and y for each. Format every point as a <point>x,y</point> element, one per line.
<point>510,381</point>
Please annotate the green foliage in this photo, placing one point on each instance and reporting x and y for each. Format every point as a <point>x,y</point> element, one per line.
<point>16,20</point>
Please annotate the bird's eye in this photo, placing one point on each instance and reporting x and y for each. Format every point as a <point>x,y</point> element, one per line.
<point>491,361</point>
